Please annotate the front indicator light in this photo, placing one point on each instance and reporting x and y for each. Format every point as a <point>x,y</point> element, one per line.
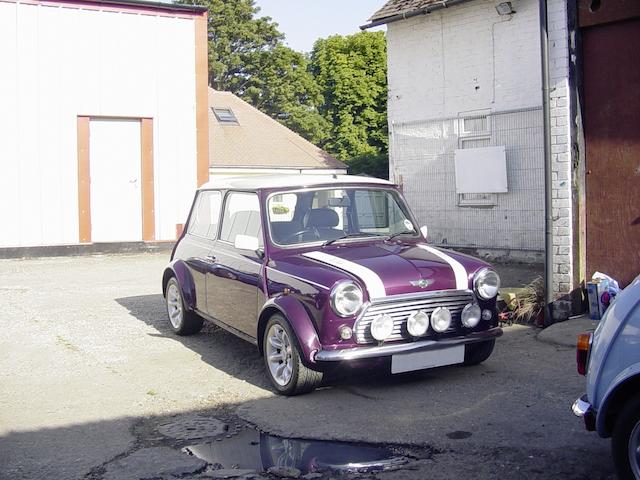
<point>583,348</point>
<point>382,327</point>
<point>418,323</point>
<point>486,315</point>
<point>441,319</point>
<point>345,332</point>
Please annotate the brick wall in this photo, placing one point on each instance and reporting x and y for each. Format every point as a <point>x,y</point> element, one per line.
<point>467,58</point>
<point>560,146</point>
<point>463,58</point>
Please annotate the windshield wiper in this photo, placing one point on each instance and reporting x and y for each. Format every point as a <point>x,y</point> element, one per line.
<point>391,237</point>
<point>352,235</point>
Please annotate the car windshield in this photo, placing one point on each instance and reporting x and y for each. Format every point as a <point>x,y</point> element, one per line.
<point>332,215</point>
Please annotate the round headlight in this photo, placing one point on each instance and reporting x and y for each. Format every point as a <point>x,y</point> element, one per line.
<point>346,299</point>
<point>486,283</point>
<point>441,319</point>
<point>418,323</point>
<point>471,315</point>
<point>382,327</point>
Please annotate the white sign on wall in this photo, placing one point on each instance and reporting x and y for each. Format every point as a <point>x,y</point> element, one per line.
<point>481,170</point>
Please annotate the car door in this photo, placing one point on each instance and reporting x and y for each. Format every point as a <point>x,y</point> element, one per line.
<point>233,281</point>
<point>195,247</point>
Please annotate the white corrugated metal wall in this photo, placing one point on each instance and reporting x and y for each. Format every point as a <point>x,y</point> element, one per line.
<point>59,62</point>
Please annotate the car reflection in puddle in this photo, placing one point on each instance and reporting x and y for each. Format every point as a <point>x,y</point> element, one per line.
<point>255,450</point>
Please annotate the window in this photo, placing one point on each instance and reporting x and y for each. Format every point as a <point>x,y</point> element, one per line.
<point>330,214</point>
<point>225,115</point>
<point>475,132</point>
<point>241,217</point>
<point>206,214</point>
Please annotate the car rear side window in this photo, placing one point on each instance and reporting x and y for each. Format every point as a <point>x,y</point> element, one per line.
<point>241,217</point>
<point>206,214</point>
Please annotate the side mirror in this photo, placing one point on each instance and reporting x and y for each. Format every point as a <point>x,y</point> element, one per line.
<point>424,230</point>
<point>246,242</point>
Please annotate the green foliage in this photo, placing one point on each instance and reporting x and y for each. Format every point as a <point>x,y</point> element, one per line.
<point>336,99</point>
<point>374,165</point>
<point>352,74</point>
<point>285,90</point>
<point>247,57</point>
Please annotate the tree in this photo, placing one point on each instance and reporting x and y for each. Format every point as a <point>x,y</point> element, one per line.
<point>248,58</point>
<point>285,90</point>
<point>351,72</point>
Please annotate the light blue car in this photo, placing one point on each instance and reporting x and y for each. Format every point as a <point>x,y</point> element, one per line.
<point>610,358</point>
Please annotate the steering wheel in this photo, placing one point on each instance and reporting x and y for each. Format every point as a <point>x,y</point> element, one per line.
<point>300,233</point>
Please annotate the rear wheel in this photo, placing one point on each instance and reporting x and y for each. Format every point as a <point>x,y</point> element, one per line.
<point>476,353</point>
<point>282,359</point>
<point>625,441</point>
<point>183,321</point>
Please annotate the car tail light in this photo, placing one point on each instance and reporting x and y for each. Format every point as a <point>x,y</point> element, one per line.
<point>582,352</point>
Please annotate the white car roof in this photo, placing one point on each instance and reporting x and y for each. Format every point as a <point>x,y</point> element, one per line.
<point>254,182</point>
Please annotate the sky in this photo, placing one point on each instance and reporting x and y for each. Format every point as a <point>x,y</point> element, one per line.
<point>304,21</point>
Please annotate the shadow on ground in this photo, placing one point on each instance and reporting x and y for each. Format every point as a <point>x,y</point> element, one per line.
<point>240,359</point>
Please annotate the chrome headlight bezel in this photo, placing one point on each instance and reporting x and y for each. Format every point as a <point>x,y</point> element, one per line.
<point>337,298</point>
<point>381,327</point>
<point>411,323</point>
<point>480,280</point>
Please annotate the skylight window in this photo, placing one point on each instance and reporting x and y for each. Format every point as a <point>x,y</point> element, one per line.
<point>225,115</point>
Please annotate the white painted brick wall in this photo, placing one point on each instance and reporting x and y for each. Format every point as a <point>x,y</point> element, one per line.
<point>463,58</point>
<point>467,58</point>
<point>560,151</point>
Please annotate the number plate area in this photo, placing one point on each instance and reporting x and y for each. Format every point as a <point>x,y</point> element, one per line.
<point>408,362</point>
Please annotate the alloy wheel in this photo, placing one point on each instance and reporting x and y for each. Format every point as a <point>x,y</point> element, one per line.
<point>279,354</point>
<point>174,305</point>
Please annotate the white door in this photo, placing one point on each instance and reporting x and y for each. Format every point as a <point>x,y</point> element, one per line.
<point>115,163</point>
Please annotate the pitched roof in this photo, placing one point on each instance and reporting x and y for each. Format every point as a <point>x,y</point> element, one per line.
<point>257,140</point>
<point>399,7</point>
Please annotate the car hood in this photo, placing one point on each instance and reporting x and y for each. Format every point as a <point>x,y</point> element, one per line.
<point>383,268</point>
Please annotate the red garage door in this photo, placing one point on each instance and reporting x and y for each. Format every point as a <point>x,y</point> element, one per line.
<point>611,95</point>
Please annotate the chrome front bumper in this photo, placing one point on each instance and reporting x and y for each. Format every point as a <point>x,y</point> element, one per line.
<point>583,409</point>
<point>385,350</point>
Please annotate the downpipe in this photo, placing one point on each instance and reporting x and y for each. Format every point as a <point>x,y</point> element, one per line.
<point>548,177</point>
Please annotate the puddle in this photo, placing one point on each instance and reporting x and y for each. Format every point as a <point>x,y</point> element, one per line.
<point>254,450</point>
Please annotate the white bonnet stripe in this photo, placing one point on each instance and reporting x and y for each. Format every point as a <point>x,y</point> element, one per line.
<point>371,280</point>
<point>462,280</point>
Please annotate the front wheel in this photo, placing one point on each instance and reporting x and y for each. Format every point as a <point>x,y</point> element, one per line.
<point>282,359</point>
<point>476,353</point>
<point>625,441</point>
<point>183,321</point>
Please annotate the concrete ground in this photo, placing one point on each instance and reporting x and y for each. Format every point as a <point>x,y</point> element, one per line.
<point>94,385</point>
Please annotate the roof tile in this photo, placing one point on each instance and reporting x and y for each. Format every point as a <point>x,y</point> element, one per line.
<point>396,7</point>
<point>257,140</point>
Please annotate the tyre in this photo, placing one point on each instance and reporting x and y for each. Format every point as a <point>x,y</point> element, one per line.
<point>282,360</point>
<point>476,353</point>
<point>183,321</point>
<point>625,440</point>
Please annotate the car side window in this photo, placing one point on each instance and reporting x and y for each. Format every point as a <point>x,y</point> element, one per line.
<point>206,214</point>
<point>241,217</point>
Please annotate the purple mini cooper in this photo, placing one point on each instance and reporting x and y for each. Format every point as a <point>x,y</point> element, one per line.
<point>322,270</point>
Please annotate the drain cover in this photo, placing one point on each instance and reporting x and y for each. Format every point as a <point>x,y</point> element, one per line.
<point>192,427</point>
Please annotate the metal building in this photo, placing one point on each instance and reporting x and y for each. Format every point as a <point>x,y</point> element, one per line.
<point>104,120</point>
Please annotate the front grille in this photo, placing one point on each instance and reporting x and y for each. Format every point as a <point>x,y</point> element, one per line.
<point>400,309</point>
